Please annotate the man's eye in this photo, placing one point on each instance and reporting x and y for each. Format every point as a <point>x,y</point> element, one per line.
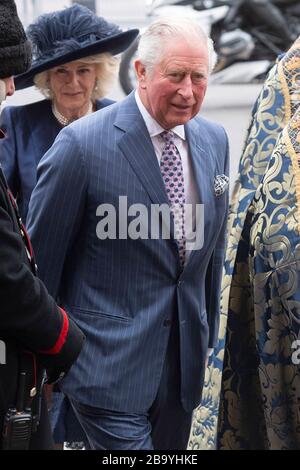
<point>175,76</point>
<point>197,77</point>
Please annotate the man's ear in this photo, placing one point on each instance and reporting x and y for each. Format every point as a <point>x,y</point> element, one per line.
<point>140,73</point>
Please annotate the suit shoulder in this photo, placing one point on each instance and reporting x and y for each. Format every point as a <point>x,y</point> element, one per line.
<point>100,104</point>
<point>32,109</point>
<point>212,132</point>
<point>96,120</point>
<point>210,126</point>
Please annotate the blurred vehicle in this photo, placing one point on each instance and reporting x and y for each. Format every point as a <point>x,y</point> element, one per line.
<point>247,40</point>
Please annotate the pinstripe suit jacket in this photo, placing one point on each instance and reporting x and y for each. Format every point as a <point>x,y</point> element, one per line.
<point>123,292</point>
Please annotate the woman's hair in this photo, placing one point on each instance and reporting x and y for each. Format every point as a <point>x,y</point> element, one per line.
<point>152,41</point>
<point>107,67</point>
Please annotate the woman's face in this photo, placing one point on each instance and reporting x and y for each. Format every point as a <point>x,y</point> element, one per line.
<point>72,85</point>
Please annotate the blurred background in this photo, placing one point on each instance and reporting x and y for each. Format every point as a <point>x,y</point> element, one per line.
<point>128,11</point>
<point>228,101</point>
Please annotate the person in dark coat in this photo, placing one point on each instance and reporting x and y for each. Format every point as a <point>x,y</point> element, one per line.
<point>35,334</point>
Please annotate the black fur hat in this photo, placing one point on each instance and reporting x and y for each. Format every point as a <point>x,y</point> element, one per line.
<point>71,34</point>
<point>15,49</point>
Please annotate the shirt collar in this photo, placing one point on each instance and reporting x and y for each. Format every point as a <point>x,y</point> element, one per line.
<point>153,127</point>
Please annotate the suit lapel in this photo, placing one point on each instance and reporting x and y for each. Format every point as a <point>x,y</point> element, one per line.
<point>137,147</point>
<point>203,164</point>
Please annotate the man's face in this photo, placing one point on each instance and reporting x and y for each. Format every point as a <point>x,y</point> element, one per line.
<point>7,88</point>
<point>174,89</point>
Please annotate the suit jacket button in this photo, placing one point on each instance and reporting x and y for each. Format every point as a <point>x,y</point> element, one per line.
<point>167,322</point>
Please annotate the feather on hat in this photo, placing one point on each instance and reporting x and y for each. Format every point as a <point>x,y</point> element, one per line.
<point>71,34</point>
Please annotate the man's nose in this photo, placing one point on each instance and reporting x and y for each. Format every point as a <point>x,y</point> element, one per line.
<point>186,87</point>
<point>10,86</point>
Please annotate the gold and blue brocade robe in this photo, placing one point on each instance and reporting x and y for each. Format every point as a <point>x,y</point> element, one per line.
<point>251,396</point>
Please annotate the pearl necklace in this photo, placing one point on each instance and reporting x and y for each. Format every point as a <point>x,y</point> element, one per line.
<point>65,121</point>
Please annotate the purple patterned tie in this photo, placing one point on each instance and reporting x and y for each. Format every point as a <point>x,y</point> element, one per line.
<point>172,173</point>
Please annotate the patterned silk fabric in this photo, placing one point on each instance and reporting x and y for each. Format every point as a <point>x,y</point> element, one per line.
<point>260,389</point>
<point>172,174</point>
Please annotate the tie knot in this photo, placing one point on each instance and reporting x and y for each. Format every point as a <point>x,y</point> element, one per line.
<point>168,137</point>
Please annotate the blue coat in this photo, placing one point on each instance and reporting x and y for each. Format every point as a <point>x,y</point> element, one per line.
<point>30,131</point>
<point>124,292</point>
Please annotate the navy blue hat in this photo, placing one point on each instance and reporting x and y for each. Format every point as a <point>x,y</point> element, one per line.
<point>71,34</point>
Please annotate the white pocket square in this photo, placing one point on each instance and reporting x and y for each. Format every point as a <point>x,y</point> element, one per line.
<point>221,184</point>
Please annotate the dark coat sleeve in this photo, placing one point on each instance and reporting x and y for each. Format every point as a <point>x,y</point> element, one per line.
<point>29,315</point>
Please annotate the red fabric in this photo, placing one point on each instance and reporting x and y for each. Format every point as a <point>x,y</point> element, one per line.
<point>62,337</point>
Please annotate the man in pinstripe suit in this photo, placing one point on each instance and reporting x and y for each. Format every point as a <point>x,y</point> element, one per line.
<point>148,304</point>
